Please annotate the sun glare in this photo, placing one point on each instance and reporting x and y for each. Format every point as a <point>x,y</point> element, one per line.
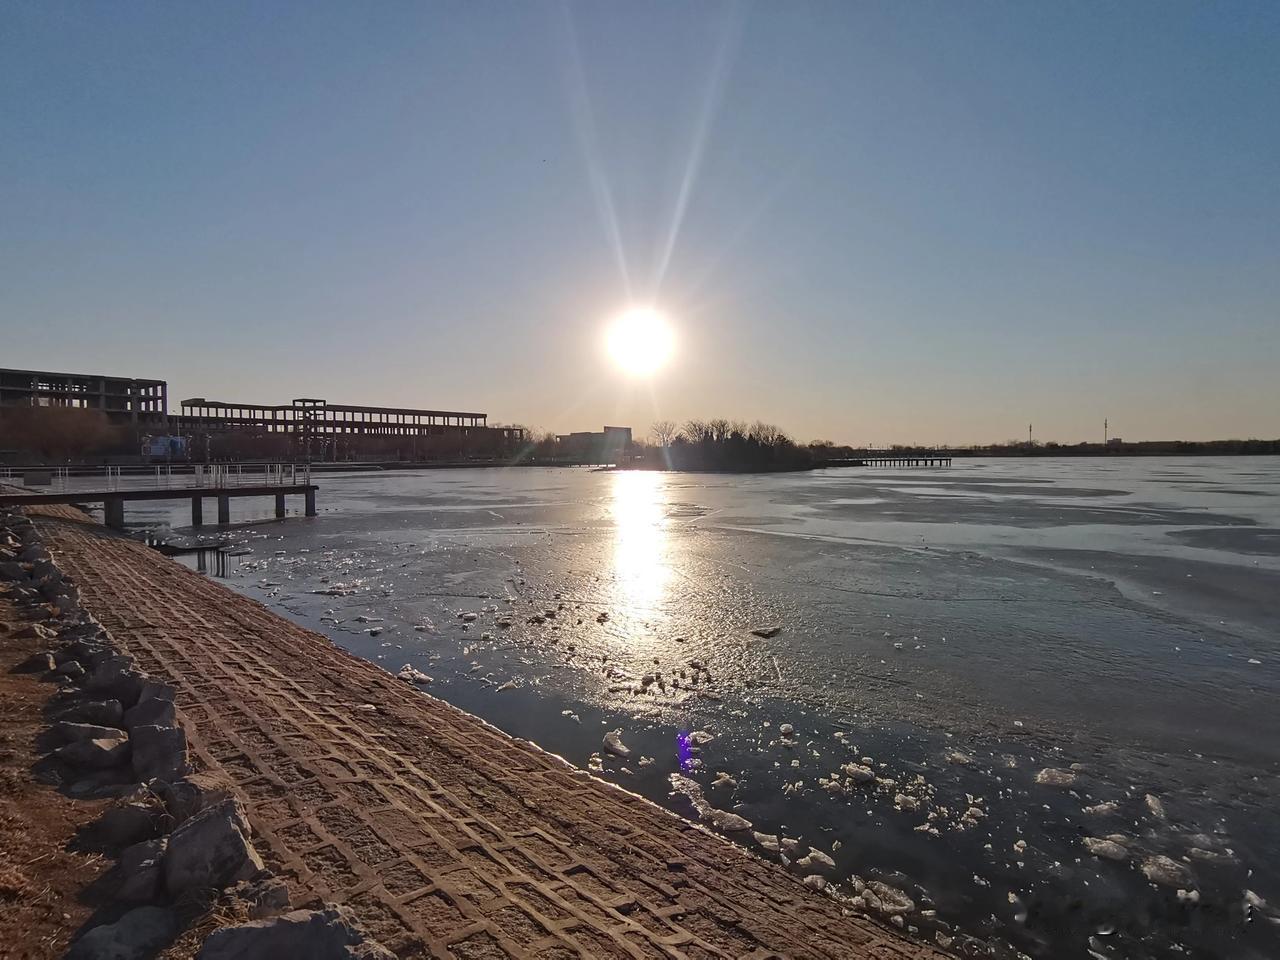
<point>641,341</point>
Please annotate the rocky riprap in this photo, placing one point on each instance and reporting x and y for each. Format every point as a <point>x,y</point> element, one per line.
<point>178,833</point>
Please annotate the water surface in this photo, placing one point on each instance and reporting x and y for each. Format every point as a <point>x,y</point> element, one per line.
<point>954,631</point>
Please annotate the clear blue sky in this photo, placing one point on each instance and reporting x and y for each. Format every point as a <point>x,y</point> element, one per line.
<point>928,222</point>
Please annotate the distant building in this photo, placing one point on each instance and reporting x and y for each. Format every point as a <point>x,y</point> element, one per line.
<point>125,400</point>
<point>1115,442</point>
<point>610,445</point>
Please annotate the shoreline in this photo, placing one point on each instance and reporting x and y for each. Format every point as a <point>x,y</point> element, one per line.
<point>340,765</point>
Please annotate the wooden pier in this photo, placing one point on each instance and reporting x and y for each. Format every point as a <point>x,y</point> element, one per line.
<point>113,501</point>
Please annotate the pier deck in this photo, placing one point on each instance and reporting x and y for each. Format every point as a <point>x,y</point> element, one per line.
<point>113,501</point>
<point>446,837</point>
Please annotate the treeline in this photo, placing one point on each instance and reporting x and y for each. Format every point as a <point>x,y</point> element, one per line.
<point>728,445</point>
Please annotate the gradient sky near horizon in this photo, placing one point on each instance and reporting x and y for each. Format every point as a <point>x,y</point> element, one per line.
<point>871,222</point>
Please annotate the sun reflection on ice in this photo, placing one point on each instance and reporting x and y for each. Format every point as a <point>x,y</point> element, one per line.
<point>641,561</point>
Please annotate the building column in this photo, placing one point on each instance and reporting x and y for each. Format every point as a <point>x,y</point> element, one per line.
<point>279,506</point>
<point>197,511</point>
<point>224,509</point>
<point>311,503</point>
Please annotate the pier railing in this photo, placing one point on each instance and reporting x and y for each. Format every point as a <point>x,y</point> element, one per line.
<point>211,476</point>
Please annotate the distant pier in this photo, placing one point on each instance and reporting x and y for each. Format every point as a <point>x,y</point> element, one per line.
<point>893,460</point>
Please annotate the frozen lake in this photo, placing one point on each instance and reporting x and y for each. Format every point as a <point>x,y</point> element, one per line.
<point>945,636</point>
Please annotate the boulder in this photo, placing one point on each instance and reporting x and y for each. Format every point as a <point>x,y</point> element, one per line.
<point>41,662</point>
<point>107,713</point>
<point>150,712</point>
<point>154,689</point>
<point>328,934</point>
<point>34,553</point>
<point>116,782</point>
<point>100,753</point>
<point>12,570</point>
<point>72,670</point>
<point>159,752</point>
<point>139,933</point>
<point>137,876</point>
<point>87,651</point>
<point>35,631</point>
<point>116,677</point>
<point>72,732</point>
<point>210,851</point>
<point>186,797</point>
<point>265,897</point>
<point>126,825</point>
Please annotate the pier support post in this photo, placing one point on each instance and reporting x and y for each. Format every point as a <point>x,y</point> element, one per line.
<point>224,509</point>
<point>113,513</point>
<point>311,503</point>
<point>279,506</point>
<point>197,511</point>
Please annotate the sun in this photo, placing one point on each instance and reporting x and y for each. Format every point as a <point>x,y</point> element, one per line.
<point>641,341</point>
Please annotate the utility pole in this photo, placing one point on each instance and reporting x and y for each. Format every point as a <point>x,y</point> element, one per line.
<point>1104,431</point>
<point>1028,434</point>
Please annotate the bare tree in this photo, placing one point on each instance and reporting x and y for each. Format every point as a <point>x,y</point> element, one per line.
<point>663,432</point>
<point>696,431</point>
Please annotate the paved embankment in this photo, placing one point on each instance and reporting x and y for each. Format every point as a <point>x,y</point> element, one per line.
<point>443,835</point>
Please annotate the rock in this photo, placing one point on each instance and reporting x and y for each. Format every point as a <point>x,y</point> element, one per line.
<point>329,934</point>
<point>72,670</point>
<point>99,753</point>
<point>106,713</point>
<point>1167,872</point>
<point>613,743</point>
<point>86,652</point>
<point>186,797</point>
<point>787,730</point>
<point>35,631</point>
<point>1053,777</point>
<point>139,872</point>
<point>151,689</point>
<point>159,752</point>
<point>210,851</point>
<point>41,662</point>
<point>12,570</point>
<point>151,712</point>
<point>139,933</point>
<point>115,782</point>
<point>1108,849</point>
<point>127,825</point>
<point>116,677</point>
<point>34,553</point>
<point>815,882</point>
<point>1155,806</point>
<point>73,732</point>
<point>767,633</point>
<point>267,898</point>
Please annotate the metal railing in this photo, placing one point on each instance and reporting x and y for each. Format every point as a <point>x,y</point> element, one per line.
<point>160,477</point>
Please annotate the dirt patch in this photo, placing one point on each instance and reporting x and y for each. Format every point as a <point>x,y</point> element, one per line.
<point>41,877</point>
